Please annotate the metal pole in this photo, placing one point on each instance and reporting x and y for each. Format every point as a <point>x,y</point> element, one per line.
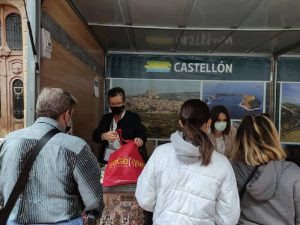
<point>273,88</point>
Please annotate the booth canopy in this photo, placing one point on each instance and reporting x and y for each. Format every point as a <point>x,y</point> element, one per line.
<point>269,27</point>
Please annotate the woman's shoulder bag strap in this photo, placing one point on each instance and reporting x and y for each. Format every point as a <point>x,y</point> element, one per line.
<point>242,191</point>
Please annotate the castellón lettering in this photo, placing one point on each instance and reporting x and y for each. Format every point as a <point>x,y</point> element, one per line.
<point>203,67</point>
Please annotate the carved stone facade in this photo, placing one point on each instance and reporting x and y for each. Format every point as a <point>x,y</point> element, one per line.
<point>11,65</point>
<point>4,52</point>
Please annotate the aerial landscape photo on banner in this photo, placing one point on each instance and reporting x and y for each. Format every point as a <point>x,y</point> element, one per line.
<point>240,98</point>
<point>290,112</point>
<point>158,101</point>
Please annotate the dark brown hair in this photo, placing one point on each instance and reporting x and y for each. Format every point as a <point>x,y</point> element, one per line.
<point>214,115</point>
<point>115,92</point>
<point>194,113</point>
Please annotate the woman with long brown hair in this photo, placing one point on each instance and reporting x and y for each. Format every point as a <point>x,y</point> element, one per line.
<point>222,132</point>
<point>186,181</point>
<point>269,186</point>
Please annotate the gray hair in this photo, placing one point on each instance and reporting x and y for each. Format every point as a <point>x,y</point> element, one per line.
<point>52,102</point>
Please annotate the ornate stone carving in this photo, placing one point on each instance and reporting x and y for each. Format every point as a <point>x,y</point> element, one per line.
<point>4,52</point>
<point>16,68</point>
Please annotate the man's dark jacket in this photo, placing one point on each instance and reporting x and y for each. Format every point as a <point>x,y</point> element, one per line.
<point>131,127</point>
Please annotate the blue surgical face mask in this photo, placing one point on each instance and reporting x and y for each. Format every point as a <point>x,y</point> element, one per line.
<point>208,130</point>
<point>220,126</point>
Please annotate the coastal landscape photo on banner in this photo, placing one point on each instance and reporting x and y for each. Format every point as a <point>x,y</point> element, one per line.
<point>240,98</point>
<point>290,112</point>
<point>158,101</point>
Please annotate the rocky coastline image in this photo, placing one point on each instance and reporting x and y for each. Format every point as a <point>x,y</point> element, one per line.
<point>240,98</point>
<point>250,102</point>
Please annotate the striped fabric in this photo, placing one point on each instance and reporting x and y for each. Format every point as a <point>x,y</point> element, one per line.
<point>64,179</point>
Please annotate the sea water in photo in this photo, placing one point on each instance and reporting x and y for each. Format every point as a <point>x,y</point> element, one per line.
<point>240,98</point>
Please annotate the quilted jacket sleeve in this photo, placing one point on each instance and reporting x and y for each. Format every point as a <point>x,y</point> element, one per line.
<point>228,203</point>
<point>146,186</point>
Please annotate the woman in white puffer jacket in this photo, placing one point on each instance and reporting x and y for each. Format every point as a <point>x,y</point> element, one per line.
<point>186,182</point>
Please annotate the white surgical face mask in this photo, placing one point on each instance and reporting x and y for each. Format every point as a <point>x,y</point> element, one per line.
<point>220,126</point>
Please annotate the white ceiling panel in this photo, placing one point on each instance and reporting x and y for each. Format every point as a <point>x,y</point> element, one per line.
<point>284,41</point>
<point>197,26</point>
<point>157,12</point>
<point>243,41</point>
<point>113,38</point>
<point>99,11</point>
<point>200,41</point>
<point>220,14</point>
<point>156,40</point>
<point>296,51</point>
<point>275,14</point>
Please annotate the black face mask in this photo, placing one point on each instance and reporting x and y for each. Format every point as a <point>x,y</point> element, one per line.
<point>116,110</point>
<point>68,127</point>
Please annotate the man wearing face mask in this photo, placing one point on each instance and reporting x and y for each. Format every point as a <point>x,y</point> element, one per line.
<point>64,179</point>
<point>119,118</point>
<point>222,133</point>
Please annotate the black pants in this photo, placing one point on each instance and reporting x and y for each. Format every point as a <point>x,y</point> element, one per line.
<point>148,218</point>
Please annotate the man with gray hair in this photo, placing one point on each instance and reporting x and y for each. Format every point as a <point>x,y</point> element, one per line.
<point>65,178</point>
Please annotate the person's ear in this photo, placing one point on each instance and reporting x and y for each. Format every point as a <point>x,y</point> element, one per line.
<point>67,114</point>
<point>206,126</point>
<point>180,123</point>
<point>71,111</point>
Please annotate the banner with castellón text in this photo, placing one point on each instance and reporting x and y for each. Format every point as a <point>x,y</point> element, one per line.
<point>188,67</point>
<point>157,85</point>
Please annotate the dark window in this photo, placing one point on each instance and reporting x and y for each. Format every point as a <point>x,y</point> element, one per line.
<point>14,31</point>
<point>18,101</point>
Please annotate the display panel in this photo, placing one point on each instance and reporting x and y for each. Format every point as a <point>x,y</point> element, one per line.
<point>158,102</point>
<point>290,112</point>
<point>157,85</point>
<point>240,98</point>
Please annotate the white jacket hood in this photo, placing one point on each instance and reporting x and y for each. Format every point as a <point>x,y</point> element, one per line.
<point>181,191</point>
<point>183,148</point>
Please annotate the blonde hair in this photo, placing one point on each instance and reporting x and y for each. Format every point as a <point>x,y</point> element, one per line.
<point>257,142</point>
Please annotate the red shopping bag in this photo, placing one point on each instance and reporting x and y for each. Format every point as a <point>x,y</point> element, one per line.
<point>124,165</point>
